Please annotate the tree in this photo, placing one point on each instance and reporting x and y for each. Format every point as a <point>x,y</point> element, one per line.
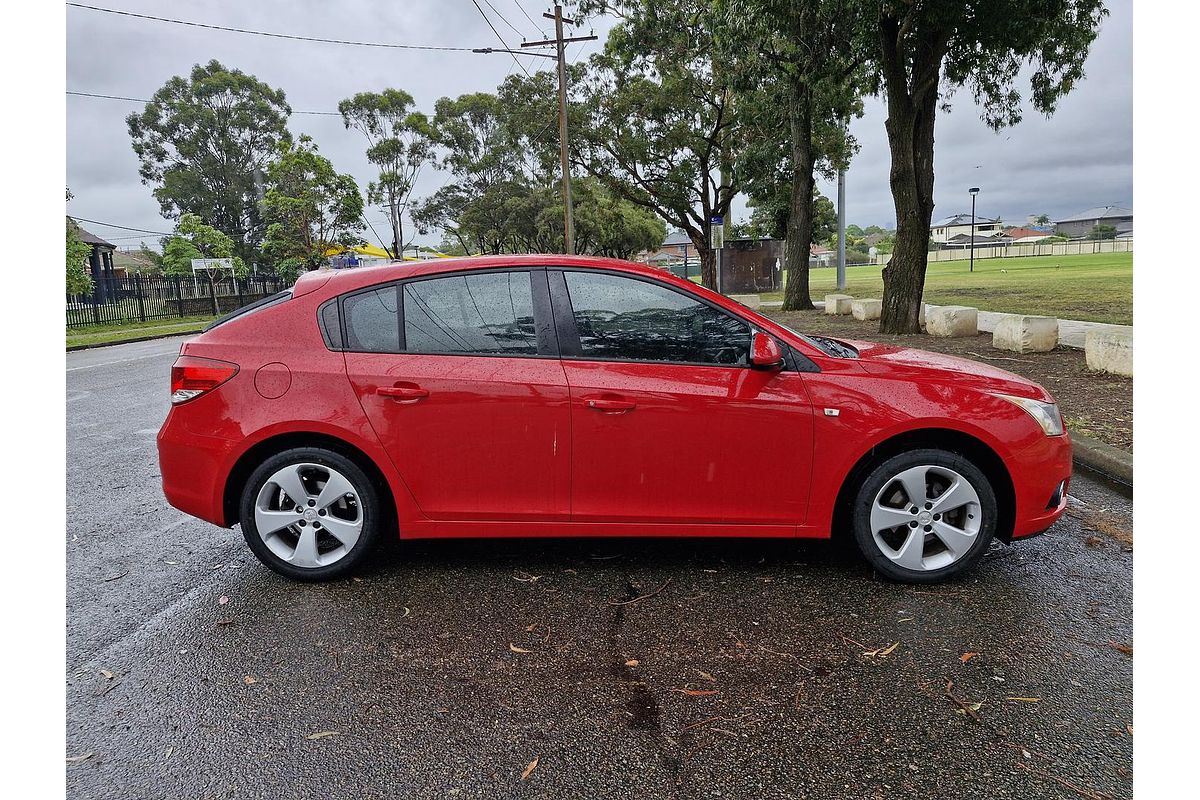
<point>309,209</point>
<point>203,142</point>
<point>398,144</point>
<point>1102,231</point>
<point>79,278</point>
<point>803,53</point>
<point>656,121</point>
<point>194,239</point>
<point>978,44</point>
<point>1042,219</point>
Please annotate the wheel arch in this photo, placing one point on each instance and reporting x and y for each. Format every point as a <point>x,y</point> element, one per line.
<point>970,447</point>
<point>248,461</point>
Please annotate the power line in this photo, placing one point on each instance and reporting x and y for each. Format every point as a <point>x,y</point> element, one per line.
<point>122,227</point>
<point>503,19</point>
<point>498,36</point>
<point>517,3</point>
<point>295,37</point>
<point>143,100</point>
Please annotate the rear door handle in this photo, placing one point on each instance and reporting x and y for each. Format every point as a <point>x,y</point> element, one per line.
<point>403,394</point>
<point>607,404</point>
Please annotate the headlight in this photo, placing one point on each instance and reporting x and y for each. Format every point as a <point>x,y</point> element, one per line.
<point>1046,414</point>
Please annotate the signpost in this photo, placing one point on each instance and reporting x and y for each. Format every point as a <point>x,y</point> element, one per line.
<point>717,241</point>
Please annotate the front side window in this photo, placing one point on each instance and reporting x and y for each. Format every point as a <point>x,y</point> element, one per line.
<point>632,320</point>
<point>488,313</point>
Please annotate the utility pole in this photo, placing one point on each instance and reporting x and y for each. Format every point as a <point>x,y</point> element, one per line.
<point>841,254</point>
<point>560,42</point>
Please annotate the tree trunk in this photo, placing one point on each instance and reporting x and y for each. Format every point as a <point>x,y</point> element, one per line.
<point>798,244</point>
<point>708,263</point>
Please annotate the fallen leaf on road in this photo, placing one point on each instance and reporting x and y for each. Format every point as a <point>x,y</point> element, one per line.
<point>116,577</point>
<point>1127,649</point>
<point>223,600</point>
<point>972,706</point>
<point>106,674</point>
<point>172,563</point>
<point>250,680</point>
<point>696,692</point>
<point>706,676</point>
<point>322,734</point>
<point>1130,729</point>
<point>633,662</point>
<point>965,657</point>
<point>169,751</point>
<point>529,769</point>
<point>882,651</point>
<point>516,649</point>
<point>224,622</point>
<point>1024,699</point>
<point>525,577</point>
<point>78,759</point>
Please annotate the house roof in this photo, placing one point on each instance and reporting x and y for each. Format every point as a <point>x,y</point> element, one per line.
<point>965,238</point>
<point>676,238</point>
<point>1024,233</point>
<point>134,260</point>
<point>1099,212</point>
<point>963,219</point>
<point>88,237</point>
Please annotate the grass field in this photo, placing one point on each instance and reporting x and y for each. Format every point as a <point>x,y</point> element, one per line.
<point>1097,288</point>
<point>117,332</point>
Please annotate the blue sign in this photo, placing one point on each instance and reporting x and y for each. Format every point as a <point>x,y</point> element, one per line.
<point>715,220</point>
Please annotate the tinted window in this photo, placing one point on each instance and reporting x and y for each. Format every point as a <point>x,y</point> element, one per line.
<point>372,322</point>
<point>632,320</point>
<point>489,312</point>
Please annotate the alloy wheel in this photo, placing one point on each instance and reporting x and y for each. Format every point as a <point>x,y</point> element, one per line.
<point>926,518</point>
<point>308,515</point>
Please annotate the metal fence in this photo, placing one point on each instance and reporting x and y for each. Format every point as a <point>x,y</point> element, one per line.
<point>140,298</point>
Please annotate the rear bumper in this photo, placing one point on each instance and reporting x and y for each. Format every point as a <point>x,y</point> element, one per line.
<point>193,469</point>
<point>1041,478</point>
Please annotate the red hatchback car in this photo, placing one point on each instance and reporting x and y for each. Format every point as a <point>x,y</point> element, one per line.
<point>570,396</point>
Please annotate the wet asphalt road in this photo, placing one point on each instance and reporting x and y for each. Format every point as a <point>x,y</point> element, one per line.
<point>447,668</point>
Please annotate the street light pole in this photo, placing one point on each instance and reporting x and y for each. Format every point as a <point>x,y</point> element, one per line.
<point>841,222</point>
<point>974,191</point>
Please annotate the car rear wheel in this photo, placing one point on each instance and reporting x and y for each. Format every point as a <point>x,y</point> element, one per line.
<point>925,515</point>
<point>310,514</point>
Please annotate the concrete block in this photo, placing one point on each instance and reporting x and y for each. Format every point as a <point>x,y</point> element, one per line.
<point>921,314</point>
<point>1109,352</point>
<point>838,304</point>
<point>866,309</point>
<point>952,321</point>
<point>748,300</point>
<point>1025,334</point>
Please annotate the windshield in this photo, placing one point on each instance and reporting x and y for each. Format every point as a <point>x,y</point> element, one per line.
<point>832,347</point>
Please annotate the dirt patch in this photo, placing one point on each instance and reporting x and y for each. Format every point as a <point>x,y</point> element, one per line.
<point>1094,404</point>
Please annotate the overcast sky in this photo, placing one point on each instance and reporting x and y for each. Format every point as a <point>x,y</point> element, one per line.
<point>1081,157</point>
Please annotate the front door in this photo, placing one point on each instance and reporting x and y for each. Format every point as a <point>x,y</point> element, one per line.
<point>670,422</point>
<point>465,393</point>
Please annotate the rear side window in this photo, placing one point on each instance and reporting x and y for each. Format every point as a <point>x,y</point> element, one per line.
<point>626,319</point>
<point>372,321</point>
<point>487,313</point>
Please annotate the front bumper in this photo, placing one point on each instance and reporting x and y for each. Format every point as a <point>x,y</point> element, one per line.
<point>1041,478</point>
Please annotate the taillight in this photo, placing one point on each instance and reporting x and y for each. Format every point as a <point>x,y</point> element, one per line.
<point>192,376</point>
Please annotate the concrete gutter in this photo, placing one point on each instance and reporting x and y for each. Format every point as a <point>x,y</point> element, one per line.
<point>1104,459</point>
<point>73,347</point>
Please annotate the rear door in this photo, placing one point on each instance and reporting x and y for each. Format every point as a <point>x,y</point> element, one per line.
<point>459,376</point>
<point>670,423</point>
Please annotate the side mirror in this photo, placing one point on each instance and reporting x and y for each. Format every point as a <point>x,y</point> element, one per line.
<point>765,352</point>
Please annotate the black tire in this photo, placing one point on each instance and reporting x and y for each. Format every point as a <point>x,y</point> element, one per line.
<point>884,475</point>
<point>369,506</point>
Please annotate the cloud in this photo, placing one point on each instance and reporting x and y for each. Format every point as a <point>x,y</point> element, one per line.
<point>1079,158</point>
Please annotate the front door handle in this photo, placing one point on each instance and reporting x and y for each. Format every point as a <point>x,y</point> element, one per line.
<point>611,405</point>
<point>403,394</point>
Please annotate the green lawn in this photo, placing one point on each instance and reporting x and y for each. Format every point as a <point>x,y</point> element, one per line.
<point>1097,288</point>
<point>116,332</point>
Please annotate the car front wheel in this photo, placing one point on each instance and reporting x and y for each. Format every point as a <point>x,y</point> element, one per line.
<point>310,514</point>
<point>924,515</point>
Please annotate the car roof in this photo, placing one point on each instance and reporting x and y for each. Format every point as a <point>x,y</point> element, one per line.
<point>342,280</point>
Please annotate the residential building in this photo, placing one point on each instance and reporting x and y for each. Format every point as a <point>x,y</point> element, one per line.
<point>100,261</point>
<point>1026,235</point>
<point>1078,226</point>
<point>946,229</point>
